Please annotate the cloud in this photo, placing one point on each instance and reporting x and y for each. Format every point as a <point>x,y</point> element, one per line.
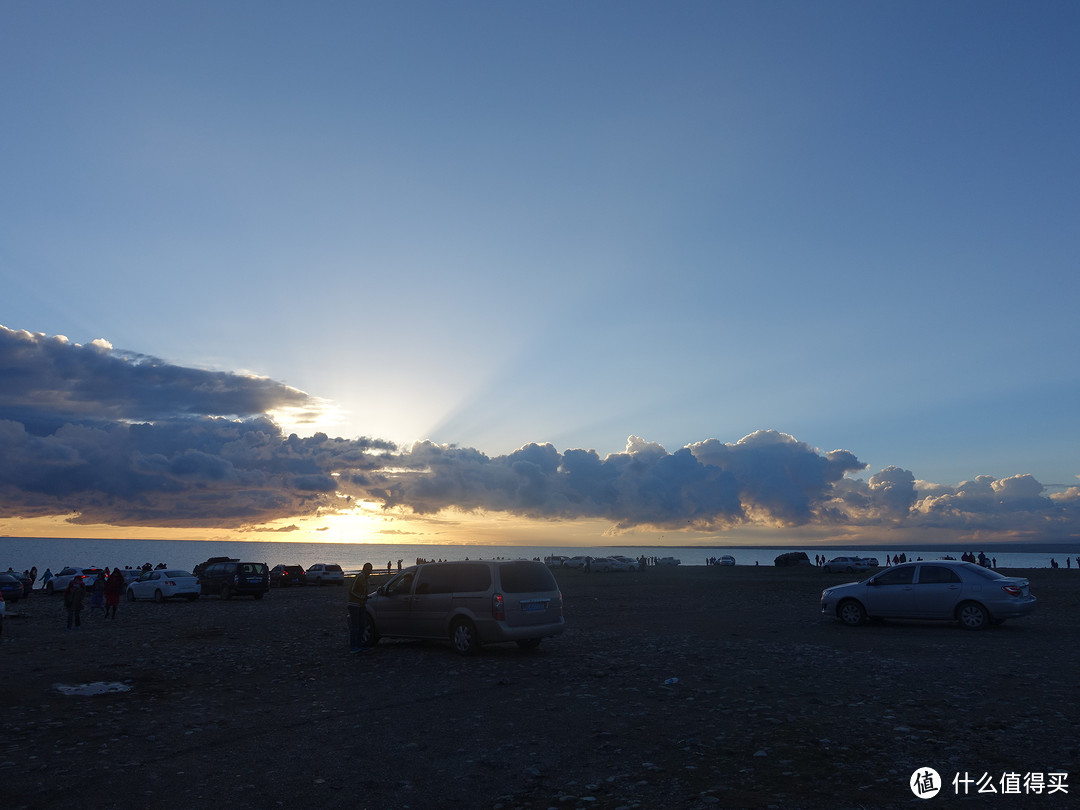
<point>111,437</point>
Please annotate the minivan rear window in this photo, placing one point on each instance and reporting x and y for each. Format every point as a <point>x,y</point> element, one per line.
<point>252,568</point>
<point>454,578</point>
<point>526,577</point>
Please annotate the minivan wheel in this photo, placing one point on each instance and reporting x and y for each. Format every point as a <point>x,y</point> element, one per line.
<point>973,616</point>
<point>463,637</point>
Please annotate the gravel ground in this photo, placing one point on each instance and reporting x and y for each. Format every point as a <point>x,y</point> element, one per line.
<point>672,688</point>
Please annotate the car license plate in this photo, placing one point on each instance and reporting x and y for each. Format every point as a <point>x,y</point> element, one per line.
<point>535,605</point>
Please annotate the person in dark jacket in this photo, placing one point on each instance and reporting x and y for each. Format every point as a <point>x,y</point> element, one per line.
<point>114,586</point>
<point>358,594</point>
<point>73,602</point>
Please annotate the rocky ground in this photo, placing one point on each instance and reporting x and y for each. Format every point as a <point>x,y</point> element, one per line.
<point>673,688</point>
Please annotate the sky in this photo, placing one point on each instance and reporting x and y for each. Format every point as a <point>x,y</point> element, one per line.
<point>711,272</point>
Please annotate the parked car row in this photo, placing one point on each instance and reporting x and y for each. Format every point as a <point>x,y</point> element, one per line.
<point>222,576</point>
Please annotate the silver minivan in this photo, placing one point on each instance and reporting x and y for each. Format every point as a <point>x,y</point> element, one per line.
<point>470,603</point>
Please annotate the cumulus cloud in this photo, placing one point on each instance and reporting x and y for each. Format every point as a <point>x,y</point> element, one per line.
<point>113,437</point>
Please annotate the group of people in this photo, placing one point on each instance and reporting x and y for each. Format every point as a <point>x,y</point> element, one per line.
<point>105,593</point>
<point>1068,562</point>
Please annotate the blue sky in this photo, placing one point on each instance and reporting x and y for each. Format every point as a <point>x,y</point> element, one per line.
<point>492,224</point>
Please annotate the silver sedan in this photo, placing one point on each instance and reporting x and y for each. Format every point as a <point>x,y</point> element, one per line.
<point>948,590</point>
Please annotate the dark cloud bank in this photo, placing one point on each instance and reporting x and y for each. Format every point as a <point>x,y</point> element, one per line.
<point>110,437</point>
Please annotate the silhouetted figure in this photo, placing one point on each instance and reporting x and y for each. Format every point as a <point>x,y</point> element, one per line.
<point>73,602</point>
<point>358,594</point>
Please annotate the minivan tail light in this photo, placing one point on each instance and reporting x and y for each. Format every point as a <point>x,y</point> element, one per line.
<point>498,607</point>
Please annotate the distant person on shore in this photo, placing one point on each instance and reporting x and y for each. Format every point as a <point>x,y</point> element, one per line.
<point>114,586</point>
<point>1053,563</point>
<point>73,602</point>
<point>358,594</point>
<point>46,577</point>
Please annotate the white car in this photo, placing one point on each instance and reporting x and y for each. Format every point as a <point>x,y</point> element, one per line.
<point>325,574</point>
<point>164,584</point>
<point>726,559</point>
<point>846,565</point>
<point>668,561</point>
<point>59,583</point>
<point>603,564</point>
<point>626,563</point>
<point>574,562</point>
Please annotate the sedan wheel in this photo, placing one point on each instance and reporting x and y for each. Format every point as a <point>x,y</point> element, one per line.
<point>131,595</point>
<point>973,616</point>
<point>159,597</point>
<point>852,613</point>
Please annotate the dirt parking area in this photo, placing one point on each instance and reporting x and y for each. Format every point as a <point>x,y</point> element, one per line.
<point>673,688</point>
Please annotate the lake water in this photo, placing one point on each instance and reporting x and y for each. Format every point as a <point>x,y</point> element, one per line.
<point>21,553</point>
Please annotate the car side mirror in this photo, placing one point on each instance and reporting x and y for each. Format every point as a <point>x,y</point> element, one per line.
<point>872,581</point>
<point>381,591</point>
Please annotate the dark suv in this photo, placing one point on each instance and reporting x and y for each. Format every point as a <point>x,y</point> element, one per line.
<point>234,578</point>
<point>282,576</point>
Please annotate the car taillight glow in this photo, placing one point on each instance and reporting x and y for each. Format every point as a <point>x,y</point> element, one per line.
<point>498,607</point>
<point>1013,590</point>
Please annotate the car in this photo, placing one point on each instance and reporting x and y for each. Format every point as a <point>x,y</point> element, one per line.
<point>555,560</point>
<point>283,576</point>
<point>626,563</point>
<point>23,578</point>
<point>198,569</point>
<point>946,590</point>
<point>131,574</point>
<point>872,562</point>
<point>668,561</point>
<point>59,583</point>
<point>726,559</point>
<point>468,603</point>
<point>604,564</point>
<point>575,562</point>
<point>164,583</point>
<point>235,578</point>
<point>791,558</point>
<point>10,588</point>
<point>846,565</point>
<point>325,574</point>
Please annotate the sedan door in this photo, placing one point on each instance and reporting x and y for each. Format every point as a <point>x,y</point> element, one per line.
<point>892,594</point>
<point>938,591</point>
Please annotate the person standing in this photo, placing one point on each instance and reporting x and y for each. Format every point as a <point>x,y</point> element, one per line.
<point>73,601</point>
<point>114,586</point>
<point>358,594</point>
<point>97,593</point>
